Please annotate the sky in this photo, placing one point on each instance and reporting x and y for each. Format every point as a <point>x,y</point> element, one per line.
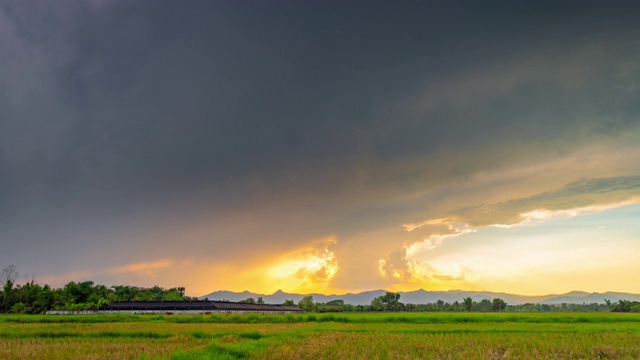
<point>322,146</point>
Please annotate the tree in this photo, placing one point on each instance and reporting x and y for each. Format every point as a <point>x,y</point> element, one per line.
<point>498,304</point>
<point>484,305</point>
<point>388,301</point>
<point>468,303</point>
<point>248,301</point>
<point>102,303</point>
<point>627,306</point>
<point>289,303</point>
<point>260,301</point>
<point>8,275</point>
<point>306,303</point>
<point>173,295</point>
<point>376,304</point>
<point>456,306</point>
<point>19,308</point>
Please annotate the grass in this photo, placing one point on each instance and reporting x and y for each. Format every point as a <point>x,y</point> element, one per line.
<point>323,336</point>
<point>408,318</point>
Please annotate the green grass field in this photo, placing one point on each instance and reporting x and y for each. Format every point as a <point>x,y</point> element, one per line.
<point>323,336</point>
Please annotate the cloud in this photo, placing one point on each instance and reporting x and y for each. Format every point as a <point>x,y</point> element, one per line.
<point>405,265</point>
<point>61,279</point>
<point>579,196</point>
<point>239,114</point>
<point>143,268</point>
<point>236,130</point>
<point>313,266</point>
<point>412,263</point>
<point>393,266</point>
<point>403,270</point>
<point>424,273</point>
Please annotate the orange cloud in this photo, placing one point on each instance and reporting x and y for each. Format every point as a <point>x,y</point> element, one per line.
<point>312,267</point>
<point>61,279</point>
<point>143,268</point>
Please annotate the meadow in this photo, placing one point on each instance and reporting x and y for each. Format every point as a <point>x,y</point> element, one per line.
<point>323,336</point>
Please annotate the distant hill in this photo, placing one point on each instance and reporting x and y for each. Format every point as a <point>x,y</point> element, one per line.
<point>422,297</point>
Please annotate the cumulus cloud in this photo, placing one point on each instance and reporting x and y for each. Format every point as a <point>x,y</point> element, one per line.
<point>585,196</point>
<point>403,268</point>
<point>314,265</point>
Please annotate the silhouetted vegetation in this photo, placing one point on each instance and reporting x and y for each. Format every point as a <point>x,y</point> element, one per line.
<point>390,302</point>
<point>627,306</point>
<point>32,298</point>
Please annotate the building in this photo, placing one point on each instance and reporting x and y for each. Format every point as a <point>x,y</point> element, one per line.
<point>187,307</point>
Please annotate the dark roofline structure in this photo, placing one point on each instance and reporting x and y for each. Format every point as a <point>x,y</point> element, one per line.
<point>197,306</point>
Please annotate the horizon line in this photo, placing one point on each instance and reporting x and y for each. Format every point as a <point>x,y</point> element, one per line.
<point>421,289</point>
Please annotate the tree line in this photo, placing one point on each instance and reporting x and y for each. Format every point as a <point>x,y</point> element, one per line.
<point>390,302</point>
<point>32,298</point>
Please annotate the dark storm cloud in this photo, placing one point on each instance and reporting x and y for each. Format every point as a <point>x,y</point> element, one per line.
<point>117,112</point>
<point>580,194</point>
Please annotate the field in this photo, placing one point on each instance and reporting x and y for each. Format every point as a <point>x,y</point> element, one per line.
<point>323,336</point>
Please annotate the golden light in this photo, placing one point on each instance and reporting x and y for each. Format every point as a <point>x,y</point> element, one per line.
<point>308,269</point>
<point>381,271</point>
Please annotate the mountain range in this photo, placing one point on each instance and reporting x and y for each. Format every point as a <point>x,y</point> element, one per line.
<point>422,297</point>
